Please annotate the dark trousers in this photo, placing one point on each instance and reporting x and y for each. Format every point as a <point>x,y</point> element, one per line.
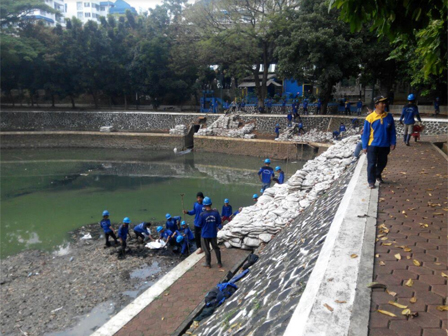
<point>197,236</point>
<point>139,234</point>
<point>376,162</point>
<point>110,234</point>
<point>206,247</point>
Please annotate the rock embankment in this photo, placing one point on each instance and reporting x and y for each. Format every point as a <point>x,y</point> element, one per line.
<point>230,126</point>
<point>282,203</point>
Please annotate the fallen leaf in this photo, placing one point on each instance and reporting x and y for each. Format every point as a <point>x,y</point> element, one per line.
<point>416,262</point>
<point>442,308</point>
<point>377,255</point>
<point>384,238</point>
<point>376,285</point>
<point>163,318</point>
<point>408,257</point>
<point>386,244</point>
<point>410,209</point>
<point>406,312</point>
<point>413,299</point>
<point>221,270</point>
<point>444,275</point>
<point>338,301</point>
<point>354,256</point>
<point>398,256</point>
<point>407,249</point>
<point>396,304</point>
<point>382,263</point>
<point>437,213</point>
<point>385,312</point>
<point>404,173</point>
<point>409,283</point>
<point>437,263</point>
<point>391,293</point>
<point>328,307</point>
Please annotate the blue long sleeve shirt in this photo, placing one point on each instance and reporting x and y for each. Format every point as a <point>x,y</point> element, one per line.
<point>267,173</point>
<point>166,234</point>
<point>142,229</point>
<point>281,178</point>
<point>197,209</point>
<point>408,113</point>
<point>186,233</point>
<point>210,222</point>
<point>379,130</point>
<point>123,232</point>
<point>359,104</point>
<point>171,224</point>
<point>226,211</point>
<point>342,128</point>
<point>105,224</point>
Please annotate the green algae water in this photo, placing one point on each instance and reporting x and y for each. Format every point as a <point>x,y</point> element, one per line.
<point>45,193</point>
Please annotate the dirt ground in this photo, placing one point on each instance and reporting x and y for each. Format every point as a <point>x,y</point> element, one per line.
<point>44,292</point>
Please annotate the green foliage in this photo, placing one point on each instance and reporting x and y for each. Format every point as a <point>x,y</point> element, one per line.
<point>13,12</point>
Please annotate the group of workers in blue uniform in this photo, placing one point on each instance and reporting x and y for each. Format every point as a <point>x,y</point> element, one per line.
<point>266,175</point>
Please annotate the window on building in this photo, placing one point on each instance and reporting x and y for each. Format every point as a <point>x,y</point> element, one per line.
<point>43,13</point>
<point>86,4</point>
<point>87,14</point>
<point>102,9</point>
<point>79,5</point>
<point>80,15</point>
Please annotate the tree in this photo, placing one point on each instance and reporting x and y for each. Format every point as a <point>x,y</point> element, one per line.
<point>422,25</point>
<point>317,47</point>
<point>14,12</point>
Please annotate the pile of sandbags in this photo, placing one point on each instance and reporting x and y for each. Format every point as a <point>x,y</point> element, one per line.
<point>312,135</point>
<point>179,130</point>
<point>228,126</point>
<point>282,203</point>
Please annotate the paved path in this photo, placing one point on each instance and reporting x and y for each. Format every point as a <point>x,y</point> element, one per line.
<point>413,207</point>
<point>164,316</point>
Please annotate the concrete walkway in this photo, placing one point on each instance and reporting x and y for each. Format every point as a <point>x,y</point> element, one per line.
<point>165,314</point>
<point>412,226</point>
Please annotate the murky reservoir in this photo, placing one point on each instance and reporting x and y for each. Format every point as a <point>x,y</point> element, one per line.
<point>45,193</point>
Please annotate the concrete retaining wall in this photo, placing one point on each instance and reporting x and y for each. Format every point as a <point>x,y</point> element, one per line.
<point>90,140</point>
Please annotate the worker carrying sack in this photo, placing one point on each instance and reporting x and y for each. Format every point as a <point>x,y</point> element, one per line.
<point>251,259</point>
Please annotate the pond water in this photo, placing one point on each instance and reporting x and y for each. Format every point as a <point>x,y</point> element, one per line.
<point>45,193</point>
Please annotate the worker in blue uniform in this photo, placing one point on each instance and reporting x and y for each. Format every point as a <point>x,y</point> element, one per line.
<point>255,198</point>
<point>198,208</point>
<point>210,223</point>
<point>289,116</point>
<point>123,232</point>
<point>277,130</point>
<point>143,231</point>
<point>226,211</point>
<point>166,235</point>
<point>408,115</point>
<point>266,173</point>
<point>107,228</point>
<point>378,139</point>
<point>281,175</point>
<point>172,223</point>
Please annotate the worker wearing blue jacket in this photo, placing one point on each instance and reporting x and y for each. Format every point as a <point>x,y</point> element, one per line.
<point>172,223</point>
<point>167,236</point>
<point>378,139</point>
<point>359,107</point>
<point>186,232</point>
<point>305,106</point>
<point>318,106</point>
<point>277,130</point>
<point>408,113</point>
<point>107,228</point>
<point>289,116</point>
<point>281,175</point>
<point>123,232</point>
<point>226,211</point>
<point>266,174</point>
<point>143,231</point>
<point>342,130</point>
<point>210,223</point>
<point>198,208</point>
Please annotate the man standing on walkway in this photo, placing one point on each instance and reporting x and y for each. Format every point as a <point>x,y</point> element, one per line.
<point>409,112</point>
<point>378,139</point>
<point>198,208</point>
<point>210,222</point>
<point>266,173</point>
<point>359,107</point>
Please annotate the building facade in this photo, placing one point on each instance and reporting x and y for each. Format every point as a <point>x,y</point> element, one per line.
<point>51,19</point>
<point>92,10</point>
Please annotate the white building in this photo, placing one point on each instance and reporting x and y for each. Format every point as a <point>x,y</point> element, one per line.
<point>49,18</point>
<point>88,10</point>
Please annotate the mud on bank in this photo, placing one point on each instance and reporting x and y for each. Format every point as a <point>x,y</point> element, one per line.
<point>34,285</point>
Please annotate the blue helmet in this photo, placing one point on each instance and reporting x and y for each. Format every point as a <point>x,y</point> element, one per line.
<point>411,97</point>
<point>159,228</point>
<point>179,238</point>
<point>167,216</point>
<point>278,168</point>
<point>183,223</point>
<point>226,200</point>
<point>105,213</point>
<point>207,201</point>
<point>261,191</point>
<point>267,161</point>
<point>126,220</point>
<point>255,196</point>
<point>277,125</point>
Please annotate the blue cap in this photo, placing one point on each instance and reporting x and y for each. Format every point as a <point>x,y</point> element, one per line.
<point>267,161</point>
<point>183,223</point>
<point>105,213</point>
<point>226,200</point>
<point>126,220</point>
<point>255,196</point>
<point>207,201</point>
<point>179,238</point>
<point>278,168</point>
<point>159,228</point>
<point>411,97</point>
<point>167,216</point>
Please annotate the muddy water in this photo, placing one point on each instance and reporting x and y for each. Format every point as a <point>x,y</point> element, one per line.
<point>47,192</point>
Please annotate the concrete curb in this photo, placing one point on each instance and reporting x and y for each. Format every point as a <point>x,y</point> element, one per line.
<point>131,310</point>
<point>339,276</point>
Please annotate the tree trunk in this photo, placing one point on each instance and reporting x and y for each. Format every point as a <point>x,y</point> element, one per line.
<point>264,88</point>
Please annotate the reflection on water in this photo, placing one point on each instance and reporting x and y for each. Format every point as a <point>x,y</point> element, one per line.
<point>47,192</point>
